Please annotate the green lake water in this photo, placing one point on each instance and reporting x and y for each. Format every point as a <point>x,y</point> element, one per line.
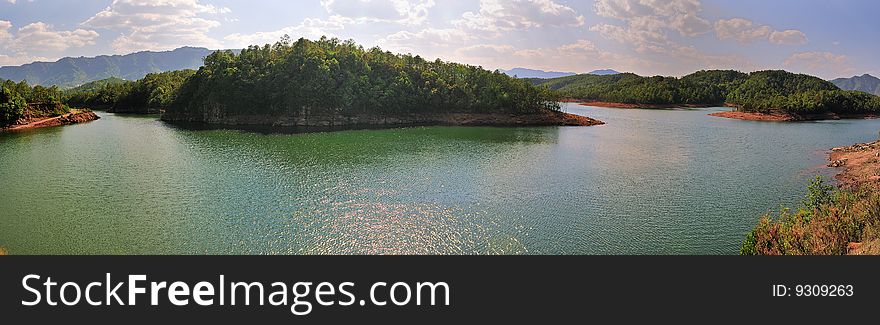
<point>648,182</point>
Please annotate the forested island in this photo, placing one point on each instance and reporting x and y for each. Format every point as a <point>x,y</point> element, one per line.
<point>24,107</point>
<point>771,94</point>
<point>333,83</point>
<point>328,84</point>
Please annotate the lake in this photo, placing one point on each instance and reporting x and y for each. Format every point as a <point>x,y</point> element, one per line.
<point>648,182</point>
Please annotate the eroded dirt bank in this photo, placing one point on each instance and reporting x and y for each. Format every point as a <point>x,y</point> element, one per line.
<point>66,119</point>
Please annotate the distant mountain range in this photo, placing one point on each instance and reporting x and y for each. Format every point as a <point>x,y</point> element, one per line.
<point>71,72</point>
<point>532,73</point>
<point>605,72</point>
<point>541,74</point>
<point>866,83</point>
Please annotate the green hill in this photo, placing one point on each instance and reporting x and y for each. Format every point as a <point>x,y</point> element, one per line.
<point>150,94</point>
<point>330,77</point>
<point>95,86</point>
<point>761,91</point>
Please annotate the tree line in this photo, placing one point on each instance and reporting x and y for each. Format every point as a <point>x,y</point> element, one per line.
<point>333,77</point>
<point>150,94</point>
<point>21,100</point>
<point>761,91</point>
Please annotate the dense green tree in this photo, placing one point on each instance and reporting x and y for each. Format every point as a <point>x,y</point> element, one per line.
<point>148,95</point>
<point>20,100</point>
<point>12,105</point>
<point>333,77</point>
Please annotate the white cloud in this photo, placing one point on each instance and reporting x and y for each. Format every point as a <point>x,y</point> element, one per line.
<point>4,30</point>
<point>497,15</point>
<point>7,60</point>
<point>742,30</point>
<point>40,37</point>
<point>37,41</point>
<point>580,45</point>
<point>690,24</point>
<point>825,64</point>
<point>580,56</point>
<point>342,13</point>
<point>746,31</point>
<point>647,24</point>
<point>309,28</point>
<point>429,42</point>
<point>399,11</point>
<point>479,38</point>
<point>637,36</point>
<point>485,51</point>
<point>650,16</point>
<point>788,37</point>
<point>158,25</point>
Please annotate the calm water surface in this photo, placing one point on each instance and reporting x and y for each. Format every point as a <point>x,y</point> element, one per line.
<point>649,182</point>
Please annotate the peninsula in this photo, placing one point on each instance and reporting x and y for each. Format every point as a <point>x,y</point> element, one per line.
<point>24,107</point>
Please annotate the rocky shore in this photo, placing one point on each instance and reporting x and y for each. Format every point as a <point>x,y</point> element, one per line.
<point>773,117</point>
<point>73,117</point>
<point>861,171</point>
<point>860,164</point>
<point>548,118</point>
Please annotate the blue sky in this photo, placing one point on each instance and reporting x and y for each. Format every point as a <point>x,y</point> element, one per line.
<point>669,37</point>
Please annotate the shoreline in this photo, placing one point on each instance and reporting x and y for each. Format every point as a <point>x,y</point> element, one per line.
<point>785,117</point>
<point>746,116</point>
<point>738,115</point>
<point>860,164</point>
<point>861,172</point>
<point>637,106</point>
<point>74,117</point>
<point>338,123</point>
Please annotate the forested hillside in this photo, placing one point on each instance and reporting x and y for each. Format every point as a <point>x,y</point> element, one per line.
<point>764,91</point>
<point>760,91</point>
<point>154,92</point>
<point>332,77</point>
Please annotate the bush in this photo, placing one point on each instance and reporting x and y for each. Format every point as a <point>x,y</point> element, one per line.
<point>827,221</point>
<point>12,106</point>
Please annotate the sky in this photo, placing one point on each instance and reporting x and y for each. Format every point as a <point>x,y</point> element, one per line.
<point>650,37</point>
